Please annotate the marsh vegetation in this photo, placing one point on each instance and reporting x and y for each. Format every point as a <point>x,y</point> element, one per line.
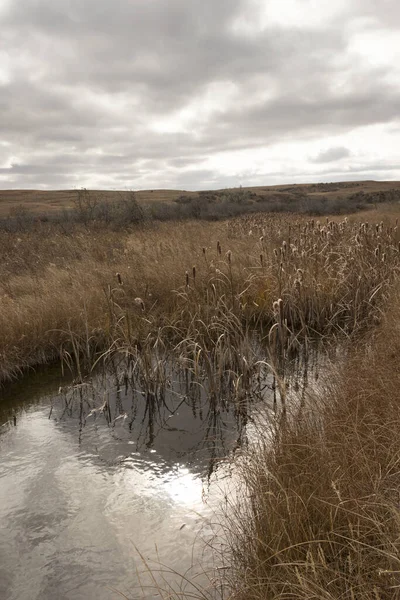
<point>226,308</point>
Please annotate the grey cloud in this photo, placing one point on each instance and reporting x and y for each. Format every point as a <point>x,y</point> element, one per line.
<point>87,79</point>
<point>331,155</point>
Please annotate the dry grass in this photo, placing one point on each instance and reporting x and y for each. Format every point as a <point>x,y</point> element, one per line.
<point>321,516</point>
<point>47,202</point>
<point>199,282</point>
<point>50,202</point>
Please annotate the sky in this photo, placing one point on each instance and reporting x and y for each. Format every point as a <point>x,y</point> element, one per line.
<point>198,94</point>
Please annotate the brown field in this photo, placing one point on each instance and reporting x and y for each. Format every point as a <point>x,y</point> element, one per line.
<point>42,202</point>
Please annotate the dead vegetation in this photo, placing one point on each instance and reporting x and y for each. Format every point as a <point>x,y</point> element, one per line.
<point>22,209</point>
<point>168,283</point>
<point>320,516</point>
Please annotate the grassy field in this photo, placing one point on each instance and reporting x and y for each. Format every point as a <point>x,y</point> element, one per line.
<point>320,513</point>
<point>307,198</point>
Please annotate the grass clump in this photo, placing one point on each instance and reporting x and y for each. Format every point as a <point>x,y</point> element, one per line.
<point>321,514</point>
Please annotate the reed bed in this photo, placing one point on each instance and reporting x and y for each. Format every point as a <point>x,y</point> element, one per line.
<point>320,515</point>
<point>200,290</point>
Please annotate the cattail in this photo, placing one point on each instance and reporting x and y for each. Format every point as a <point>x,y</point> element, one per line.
<point>187,278</point>
<point>119,278</point>
<point>261,260</point>
<point>194,272</point>
<point>139,302</point>
<point>204,251</point>
<point>280,305</point>
<point>219,249</point>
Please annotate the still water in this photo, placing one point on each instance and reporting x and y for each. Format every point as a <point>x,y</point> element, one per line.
<point>98,479</point>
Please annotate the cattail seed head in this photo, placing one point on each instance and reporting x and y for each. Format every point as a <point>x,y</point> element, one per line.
<point>280,306</point>
<point>194,272</point>
<point>139,302</point>
<point>187,278</point>
<point>261,260</point>
<point>119,278</point>
<point>219,249</point>
<point>204,251</point>
<point>229,256</point>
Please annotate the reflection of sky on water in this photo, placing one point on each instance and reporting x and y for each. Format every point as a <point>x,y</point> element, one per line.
<point>82,490</point>
<point>77,502</point>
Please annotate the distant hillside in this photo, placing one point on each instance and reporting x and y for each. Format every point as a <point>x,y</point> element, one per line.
<point>316,198</point>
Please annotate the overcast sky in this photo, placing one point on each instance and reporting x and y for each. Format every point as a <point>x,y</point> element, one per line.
<point>198,93</point>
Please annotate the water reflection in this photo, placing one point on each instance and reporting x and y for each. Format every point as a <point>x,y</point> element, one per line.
<point>94,472</point>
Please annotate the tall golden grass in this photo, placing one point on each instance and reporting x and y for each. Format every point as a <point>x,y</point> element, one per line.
<point>195,283</point>
<point>321,514</point>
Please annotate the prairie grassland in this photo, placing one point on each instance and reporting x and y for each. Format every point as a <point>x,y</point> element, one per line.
<point>194,286</point>
<point>321,517</point>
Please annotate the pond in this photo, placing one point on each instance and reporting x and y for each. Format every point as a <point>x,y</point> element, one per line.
<point>101,478</point>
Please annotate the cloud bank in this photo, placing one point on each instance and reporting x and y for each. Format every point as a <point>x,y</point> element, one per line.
<point>197,93</point>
